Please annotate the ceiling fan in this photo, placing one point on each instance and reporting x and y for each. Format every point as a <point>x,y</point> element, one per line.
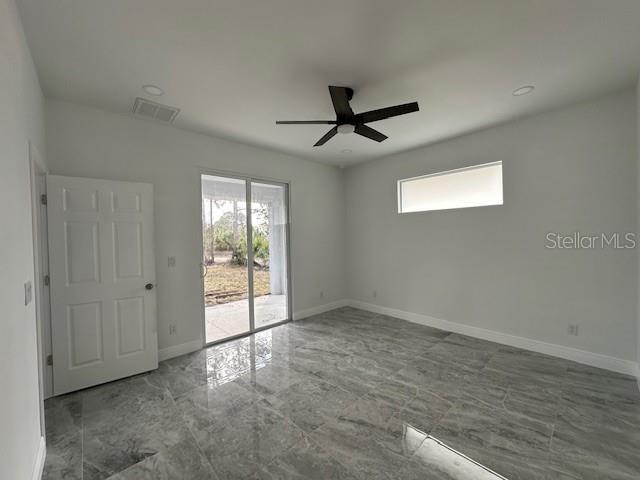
<point>348,122</point>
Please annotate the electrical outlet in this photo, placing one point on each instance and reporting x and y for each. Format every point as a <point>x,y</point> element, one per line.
<point>374,294</point>
<point>172,329</point>
<point>171,261</point>
<point>321,294</point>
<point>573,329</point>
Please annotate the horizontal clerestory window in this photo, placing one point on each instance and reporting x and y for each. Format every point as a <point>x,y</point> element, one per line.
<point>475,186</point>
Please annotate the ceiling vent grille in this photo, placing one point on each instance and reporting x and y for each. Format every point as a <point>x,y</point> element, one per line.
<point>157,111</point>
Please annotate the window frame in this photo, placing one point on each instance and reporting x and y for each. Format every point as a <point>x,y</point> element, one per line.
<point>448,172</point>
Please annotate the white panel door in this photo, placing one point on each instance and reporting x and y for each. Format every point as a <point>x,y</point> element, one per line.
<point>103,300</point>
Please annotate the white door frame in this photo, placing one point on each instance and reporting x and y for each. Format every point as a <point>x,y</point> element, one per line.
<point>37,174</point>
<point>248,179</point>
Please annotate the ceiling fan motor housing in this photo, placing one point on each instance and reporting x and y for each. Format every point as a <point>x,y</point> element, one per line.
<point>349,91</point>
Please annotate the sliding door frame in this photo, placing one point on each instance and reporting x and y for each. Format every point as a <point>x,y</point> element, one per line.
<point>248,179</point>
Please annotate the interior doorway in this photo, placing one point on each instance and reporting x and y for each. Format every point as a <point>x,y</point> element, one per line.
<point>245,255</point>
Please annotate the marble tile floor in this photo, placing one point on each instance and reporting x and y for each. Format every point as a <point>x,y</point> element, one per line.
<point>350,395</point>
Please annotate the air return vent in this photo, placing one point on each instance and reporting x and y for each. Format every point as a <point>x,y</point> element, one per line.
<point>157,111</point>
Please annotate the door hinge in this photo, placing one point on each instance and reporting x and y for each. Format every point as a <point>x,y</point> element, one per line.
<point>47,280</point>
<point>43,199</point>
<point>49,359</point>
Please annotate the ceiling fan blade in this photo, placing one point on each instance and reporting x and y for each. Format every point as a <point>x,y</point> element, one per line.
<point>305,122</point>
<point>340,99</point>
<point>326,137</point>
<point>382,113</point>
<point>370,133</point>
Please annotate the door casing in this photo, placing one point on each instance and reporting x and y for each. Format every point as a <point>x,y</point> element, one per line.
<point>37,177</point>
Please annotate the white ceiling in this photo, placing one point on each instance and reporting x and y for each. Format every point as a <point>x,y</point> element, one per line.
<point>234,67</point>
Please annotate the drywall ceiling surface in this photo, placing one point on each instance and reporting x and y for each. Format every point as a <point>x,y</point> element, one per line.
<point>234,67</point>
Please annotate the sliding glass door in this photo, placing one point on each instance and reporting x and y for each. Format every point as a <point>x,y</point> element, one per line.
<point>270,266</point>
<point>245,260</point>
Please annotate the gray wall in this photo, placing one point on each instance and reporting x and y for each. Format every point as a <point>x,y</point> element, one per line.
<point>21,121</point>
<point>573,169</point>
<point>87,142</point>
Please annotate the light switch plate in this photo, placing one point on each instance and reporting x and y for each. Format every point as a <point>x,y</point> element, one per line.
<point>28,293</point>
<point>171,261</point>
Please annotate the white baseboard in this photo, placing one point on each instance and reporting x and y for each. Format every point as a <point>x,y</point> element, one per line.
<point>581,356</point>
<point>180,349</point>
<point>38,468</point>
<point>299,315</point>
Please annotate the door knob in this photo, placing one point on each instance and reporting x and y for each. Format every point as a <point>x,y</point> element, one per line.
<point>149,286</point>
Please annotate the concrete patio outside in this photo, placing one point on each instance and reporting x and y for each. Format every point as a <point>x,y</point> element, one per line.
<point>232,318</point>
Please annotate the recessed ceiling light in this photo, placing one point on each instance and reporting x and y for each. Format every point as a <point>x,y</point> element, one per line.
<point>153,90</point>
<point>346,150</point>
<point>518,92</point>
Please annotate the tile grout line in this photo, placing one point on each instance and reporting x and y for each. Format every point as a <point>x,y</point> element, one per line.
<point>193,437</point>
<point>82,437</point>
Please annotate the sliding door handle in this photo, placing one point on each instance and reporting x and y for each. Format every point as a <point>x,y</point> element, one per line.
<point>203,270</point>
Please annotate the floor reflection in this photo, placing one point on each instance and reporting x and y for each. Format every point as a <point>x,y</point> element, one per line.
<point>439,457</point>
<point>350,395</point>
<point>232,360</point>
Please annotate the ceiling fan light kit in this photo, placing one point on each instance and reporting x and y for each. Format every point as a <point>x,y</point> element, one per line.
<point>346,128</point>
<point>348,122</point>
